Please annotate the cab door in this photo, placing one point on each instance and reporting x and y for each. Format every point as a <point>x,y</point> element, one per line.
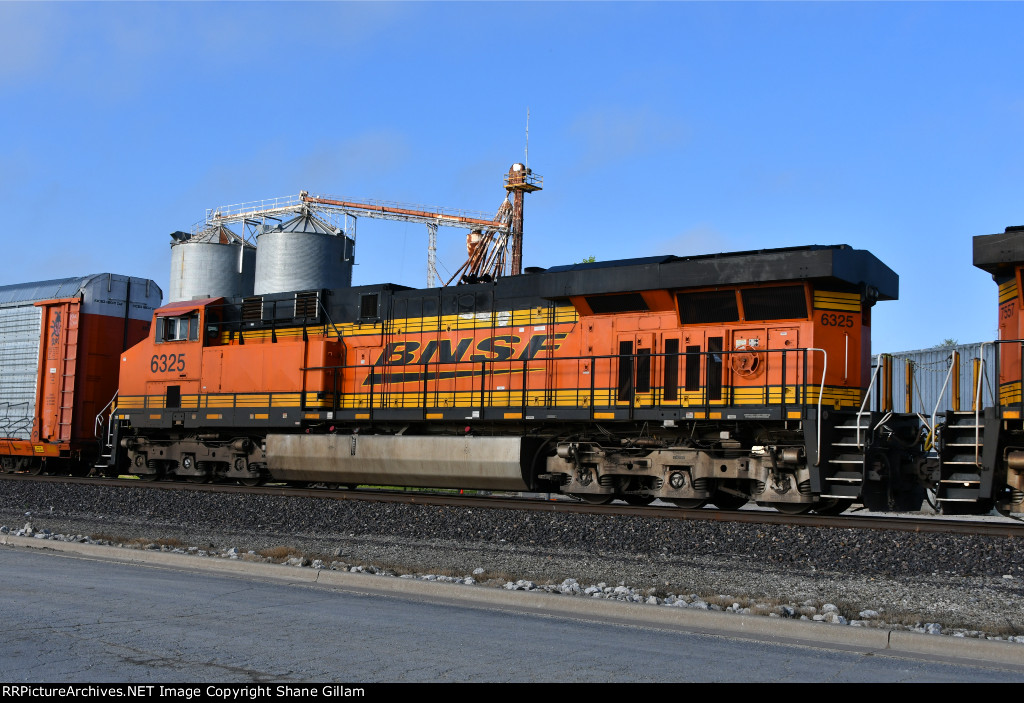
<point>213,363</point>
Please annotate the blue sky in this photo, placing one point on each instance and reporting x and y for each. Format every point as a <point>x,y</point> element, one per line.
<point>681,128</point>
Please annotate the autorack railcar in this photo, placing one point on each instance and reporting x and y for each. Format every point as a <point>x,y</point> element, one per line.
<point>60,344</point>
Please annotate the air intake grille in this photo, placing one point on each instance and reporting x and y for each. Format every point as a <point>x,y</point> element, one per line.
<point>777,303</point>
<point>627,302</point>
<point>252,309</point>
<point>306,304</point>
<point>709,306</point>
<point>368,306</point>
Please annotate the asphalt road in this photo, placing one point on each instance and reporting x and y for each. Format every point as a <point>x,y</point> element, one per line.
<point>74,617</point>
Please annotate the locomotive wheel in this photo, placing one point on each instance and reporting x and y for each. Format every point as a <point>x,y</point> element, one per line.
<point>203,468</point>
<point>832,506</point>
<point>161,468</point>
<point>638,500</point>
<point>728,501</point>
<point>594,498</point>
<point>251,481</point>
<point>689,503</point>
<point>792,508</point>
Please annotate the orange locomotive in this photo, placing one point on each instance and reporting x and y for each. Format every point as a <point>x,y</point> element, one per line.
<point>981,452</point>
<point>721,378</point>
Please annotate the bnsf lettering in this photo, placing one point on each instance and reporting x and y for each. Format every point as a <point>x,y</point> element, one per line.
<point>398,353</point>
<point>443,350</point>
<point>538,343</point>
<point>447,351</point>
<point>162,363</point>
<point>495,348</point>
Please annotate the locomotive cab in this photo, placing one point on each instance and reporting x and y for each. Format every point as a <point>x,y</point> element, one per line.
<point>165,370</point>
<point>993,475</point>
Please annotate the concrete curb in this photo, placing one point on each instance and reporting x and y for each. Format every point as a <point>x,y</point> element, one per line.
<point>783,631</point>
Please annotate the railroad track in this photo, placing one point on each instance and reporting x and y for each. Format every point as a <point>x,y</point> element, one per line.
<point>995,525</point>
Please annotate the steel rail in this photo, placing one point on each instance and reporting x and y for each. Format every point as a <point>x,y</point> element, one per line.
<point>991,526</point>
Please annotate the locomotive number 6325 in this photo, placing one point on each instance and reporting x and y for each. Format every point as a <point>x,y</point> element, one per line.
<point>831,319</point>
<point>162,363</point>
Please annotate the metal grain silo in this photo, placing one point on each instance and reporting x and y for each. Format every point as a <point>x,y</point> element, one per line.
<point>303,253</point>
<point>214,263</point>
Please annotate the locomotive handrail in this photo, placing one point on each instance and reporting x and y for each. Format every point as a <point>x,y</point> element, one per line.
<point>977,396</point>
<point>867,396</point>
<point>942,393</point>
<point>929,438</point>
<point>378,383</point>
<point>821,395</point>
<point>378,376</point>
<point>885,419</point>
<point>98,424</point>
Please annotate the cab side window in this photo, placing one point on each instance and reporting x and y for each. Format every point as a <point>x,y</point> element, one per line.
<point>178,329</point>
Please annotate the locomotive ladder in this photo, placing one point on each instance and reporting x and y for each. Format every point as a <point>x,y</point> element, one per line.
<point>843,476</point>
<point>844,472</point>
<point>960,458</point>
<point>105,426</point>
<point>961,469</point>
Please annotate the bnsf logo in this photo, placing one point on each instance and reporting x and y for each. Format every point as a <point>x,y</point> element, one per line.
<point>447,351</point>
<point>506,347</point>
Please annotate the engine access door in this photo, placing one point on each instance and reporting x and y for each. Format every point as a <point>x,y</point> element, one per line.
<point>785,362</point>
<point>634,369</point>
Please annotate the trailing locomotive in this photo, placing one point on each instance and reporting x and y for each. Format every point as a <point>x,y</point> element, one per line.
<point>981,452</point>
<point>707,379</point>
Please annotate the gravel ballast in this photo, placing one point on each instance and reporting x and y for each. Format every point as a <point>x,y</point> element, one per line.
<point>938,583</point>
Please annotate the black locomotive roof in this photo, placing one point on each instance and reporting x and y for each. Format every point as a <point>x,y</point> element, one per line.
<point>997,253</point>
<point>841,263</point>
<point>839,266</point>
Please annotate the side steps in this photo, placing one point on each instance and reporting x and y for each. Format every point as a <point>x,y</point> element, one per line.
<point>843,472</point>
<point>962,476</point>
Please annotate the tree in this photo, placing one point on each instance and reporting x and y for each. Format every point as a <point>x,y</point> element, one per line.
<point>589,260</point>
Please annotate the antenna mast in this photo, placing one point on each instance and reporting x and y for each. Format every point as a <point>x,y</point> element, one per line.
<point>526,156</point>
